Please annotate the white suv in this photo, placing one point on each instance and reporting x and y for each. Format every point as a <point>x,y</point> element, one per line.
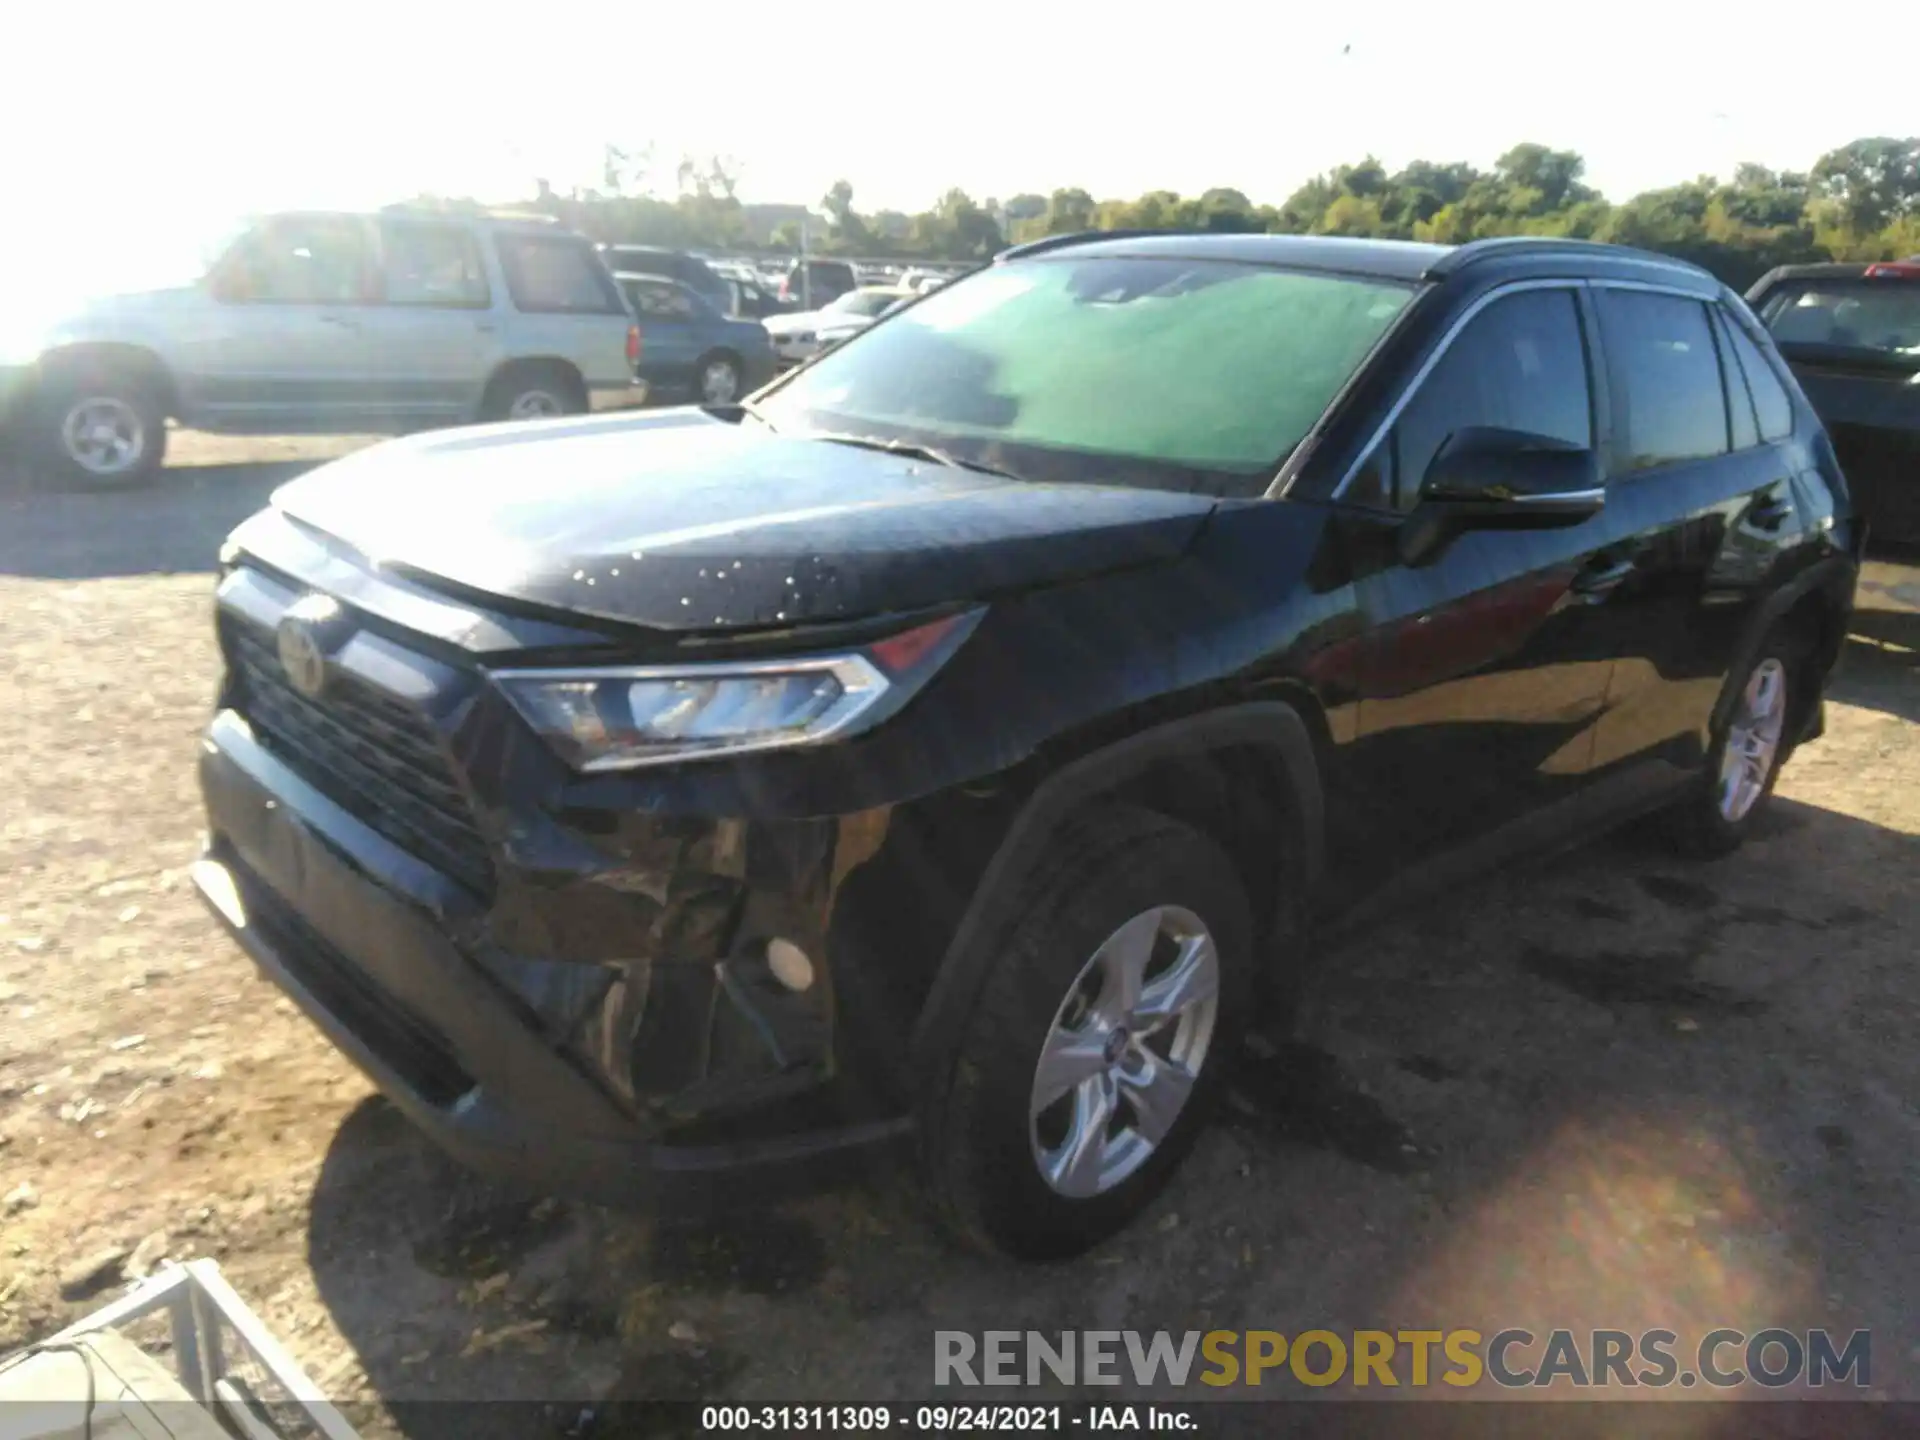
<point>317,323</point>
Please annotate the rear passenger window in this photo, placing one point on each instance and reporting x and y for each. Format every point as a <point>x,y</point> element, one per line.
<point>1520,364</point>
<point>660,300</point>
<point>1770,400</point>
<point>431,264</point>
<point>1671,396</point>
<point>555,274</point>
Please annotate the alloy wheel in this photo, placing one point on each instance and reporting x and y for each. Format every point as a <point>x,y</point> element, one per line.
<point>719,383</point>
<point>104,435</point>
<point>1124,1052</point>
<point>1753,740</point>
<point>535,405</point>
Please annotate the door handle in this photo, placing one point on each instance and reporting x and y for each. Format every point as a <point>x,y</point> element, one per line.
<point>345,322</point>
<point>1600,577</point>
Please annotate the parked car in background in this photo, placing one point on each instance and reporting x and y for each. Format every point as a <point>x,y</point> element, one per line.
<point>323,322</point>
<point>690,270</point>
<point>921,281</point>
<point>688,349</point>
<point>856,310</point>
<point>751,300</point>
<point>812,283</point>
<point>798,337</point>
<point>950,753</point>
<point>1852,335</point>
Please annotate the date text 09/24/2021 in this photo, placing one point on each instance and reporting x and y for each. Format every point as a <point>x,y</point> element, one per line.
<point>941,1419</point>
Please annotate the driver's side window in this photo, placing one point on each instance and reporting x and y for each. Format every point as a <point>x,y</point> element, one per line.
<point>300,260</point>
<point>1520,364</point>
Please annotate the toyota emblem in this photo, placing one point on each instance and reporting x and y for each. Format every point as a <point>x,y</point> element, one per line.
<point>303,652</point>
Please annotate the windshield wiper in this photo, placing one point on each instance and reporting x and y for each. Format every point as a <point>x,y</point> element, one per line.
<point>912,450</point>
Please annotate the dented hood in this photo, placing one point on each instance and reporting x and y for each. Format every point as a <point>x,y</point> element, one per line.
<point>682,521</point>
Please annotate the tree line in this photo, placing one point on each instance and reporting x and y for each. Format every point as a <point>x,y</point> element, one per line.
<point>1858,202</point>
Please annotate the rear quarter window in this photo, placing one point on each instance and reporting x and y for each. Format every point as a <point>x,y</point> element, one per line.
<point>1770,402</point>
<point>557,275</point>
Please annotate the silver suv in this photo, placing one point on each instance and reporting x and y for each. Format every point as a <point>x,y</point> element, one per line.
<point>318,323</point>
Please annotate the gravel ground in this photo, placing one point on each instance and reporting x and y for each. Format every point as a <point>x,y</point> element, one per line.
<point>1613,1091</point>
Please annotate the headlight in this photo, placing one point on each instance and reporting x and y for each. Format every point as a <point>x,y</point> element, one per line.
<point>620,718</point>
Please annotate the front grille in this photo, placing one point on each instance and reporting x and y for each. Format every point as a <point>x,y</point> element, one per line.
<point>371,753</point>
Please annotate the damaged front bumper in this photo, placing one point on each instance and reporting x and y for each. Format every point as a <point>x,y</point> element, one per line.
<point>514,1030</point>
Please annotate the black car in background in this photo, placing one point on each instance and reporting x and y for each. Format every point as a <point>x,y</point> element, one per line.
<point>689,270</point>
<point>810,284</point>
<point>1852,335</point>
<point>951,751</point>
<point>752,300</point>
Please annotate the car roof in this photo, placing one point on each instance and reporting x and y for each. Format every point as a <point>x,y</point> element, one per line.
<point>647,277</point>
<point>1831,270</point>
<point>1407,260</point>
<point>1397,259</point>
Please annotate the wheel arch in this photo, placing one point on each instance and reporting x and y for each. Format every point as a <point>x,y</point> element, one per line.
<point>517,365</point>
<point>96,357</point>
<point>1246,774</point>
<point>1817,603</point>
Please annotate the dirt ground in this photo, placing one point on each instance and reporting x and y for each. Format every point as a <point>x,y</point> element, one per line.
<point>1616,1090</point>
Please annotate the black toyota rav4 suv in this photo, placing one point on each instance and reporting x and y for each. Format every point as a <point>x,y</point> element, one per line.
<point>953,748</point>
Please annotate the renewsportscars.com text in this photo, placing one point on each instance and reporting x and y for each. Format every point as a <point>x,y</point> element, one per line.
<point>1511,1359</point>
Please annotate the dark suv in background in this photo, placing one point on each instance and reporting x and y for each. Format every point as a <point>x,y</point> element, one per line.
<point>951,751</point>
<point>1852,335</point>
<point>813,283</point>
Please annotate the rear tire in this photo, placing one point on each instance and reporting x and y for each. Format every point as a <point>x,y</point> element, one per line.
<point>535,392</point>
<point>1070,1105</point>
<point>1731,793</point>
<point>718,380</point>
<point>105,431</point>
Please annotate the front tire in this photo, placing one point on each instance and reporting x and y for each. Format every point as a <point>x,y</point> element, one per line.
<point>101,433</point>
<point>1100,1041</point>
<point>1749,746</point>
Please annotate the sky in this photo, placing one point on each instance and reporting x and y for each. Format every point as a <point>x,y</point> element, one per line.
<point>165,120</point>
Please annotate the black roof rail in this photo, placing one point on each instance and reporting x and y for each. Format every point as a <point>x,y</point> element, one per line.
<point>1078,237</point>
<point>1500,246</point>
<point>481,214</point>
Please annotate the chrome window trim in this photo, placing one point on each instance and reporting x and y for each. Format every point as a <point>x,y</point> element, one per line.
<point>1290,467</point>
<point>1558,497</point>
<point>1465,318</point>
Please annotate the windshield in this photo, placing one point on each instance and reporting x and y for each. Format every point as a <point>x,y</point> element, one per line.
<point>1189,374</point>
<point>1881,315</point>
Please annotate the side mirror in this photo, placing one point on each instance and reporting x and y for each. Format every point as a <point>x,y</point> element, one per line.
<point>1485,478</point>
<point>1486,473</point>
